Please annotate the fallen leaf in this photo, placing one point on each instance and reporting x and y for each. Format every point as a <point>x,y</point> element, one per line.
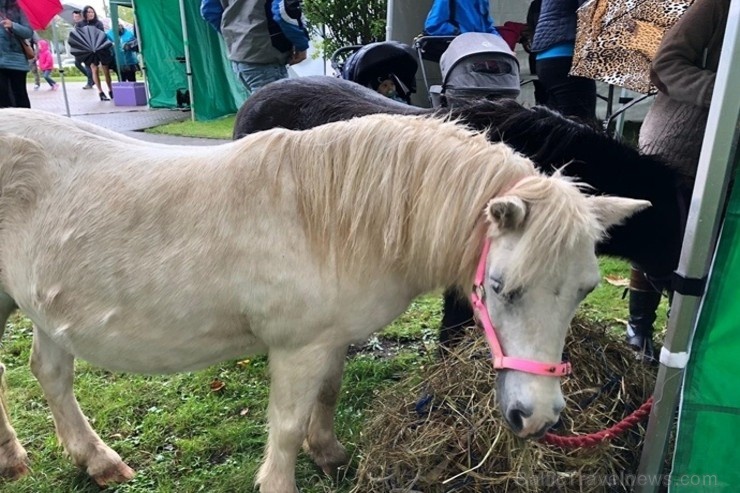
<point>244,411</point>
<point>622,282</point>
<point>243,363</point>
<point>217,385</point>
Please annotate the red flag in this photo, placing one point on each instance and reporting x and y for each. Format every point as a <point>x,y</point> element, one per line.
<point>40,12</point>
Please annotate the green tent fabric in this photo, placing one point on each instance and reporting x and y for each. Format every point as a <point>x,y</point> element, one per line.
<point>707,455</point>
<point>216,92</point>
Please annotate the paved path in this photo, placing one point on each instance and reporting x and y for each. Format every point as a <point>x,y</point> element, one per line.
<point>130,120</point>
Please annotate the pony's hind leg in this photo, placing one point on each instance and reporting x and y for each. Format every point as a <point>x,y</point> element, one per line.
<point>296,377</point>
<point>321,442</point>
<point>54,369</point>
<point>13,458</point>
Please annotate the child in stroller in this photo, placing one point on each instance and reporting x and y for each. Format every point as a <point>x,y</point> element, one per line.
<point>388,67</point>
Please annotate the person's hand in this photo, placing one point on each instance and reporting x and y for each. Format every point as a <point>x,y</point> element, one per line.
<point>297,57</point>
<point>8,24</point>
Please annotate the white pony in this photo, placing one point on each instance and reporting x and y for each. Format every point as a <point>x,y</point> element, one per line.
<point>149,258</point>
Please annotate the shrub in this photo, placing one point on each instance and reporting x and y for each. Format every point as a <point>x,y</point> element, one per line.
<point>346,22</point>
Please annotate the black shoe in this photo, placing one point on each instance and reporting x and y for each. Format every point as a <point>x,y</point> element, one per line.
<point>103,97</point>
<point>111,94</point>
<point>642,344</point>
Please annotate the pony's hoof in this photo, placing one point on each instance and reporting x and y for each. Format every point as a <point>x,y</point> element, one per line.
<point>117,473</point>
<point>14,473</point>
<point>329,458</point>
<point>13,461</point>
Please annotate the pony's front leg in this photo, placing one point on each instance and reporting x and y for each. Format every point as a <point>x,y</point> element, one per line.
<point>296,377</point>
<point>54,369</point>
<point>13,458</point>
<point>321,443</point>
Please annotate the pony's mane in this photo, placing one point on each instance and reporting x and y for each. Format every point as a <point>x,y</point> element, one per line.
<point>407,193</point>
<point>544,135</point>
<point>551,140</point>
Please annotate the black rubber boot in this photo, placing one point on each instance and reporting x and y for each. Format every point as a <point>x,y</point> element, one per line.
<point>642,306</point>
<point>643,303</point>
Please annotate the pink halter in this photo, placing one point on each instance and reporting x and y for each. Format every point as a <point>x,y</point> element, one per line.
<point>501,362</point>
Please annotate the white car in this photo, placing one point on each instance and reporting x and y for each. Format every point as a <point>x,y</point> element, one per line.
<point>67,61</point>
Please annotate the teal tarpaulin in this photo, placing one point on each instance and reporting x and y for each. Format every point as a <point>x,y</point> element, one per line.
<point>163,44</point>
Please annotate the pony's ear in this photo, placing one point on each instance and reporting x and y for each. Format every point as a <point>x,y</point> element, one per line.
<point>610,211</point>
<point>505,214</point>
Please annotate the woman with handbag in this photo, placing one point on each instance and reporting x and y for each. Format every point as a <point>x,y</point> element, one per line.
<point>14,31</point>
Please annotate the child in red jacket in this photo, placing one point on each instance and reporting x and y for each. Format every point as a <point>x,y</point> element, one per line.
<point>46,63</point>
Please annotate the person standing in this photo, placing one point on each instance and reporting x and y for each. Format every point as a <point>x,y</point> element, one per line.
<point>554,42</point>
<point>683,69</point>
<point>84,70</point>
<point>90,18</point>
<point>262,36</point>
<point>14,28</point>
<point>126,59</point>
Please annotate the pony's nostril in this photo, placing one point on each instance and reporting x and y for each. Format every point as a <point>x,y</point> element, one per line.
<point>558,409</point>
<point>516,417</point>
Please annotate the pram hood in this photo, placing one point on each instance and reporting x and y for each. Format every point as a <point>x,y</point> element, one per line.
<point>380,59</point>
<point>479,63</point>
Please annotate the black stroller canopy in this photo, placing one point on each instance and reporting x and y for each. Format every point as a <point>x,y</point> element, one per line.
<point>90,45</point>
<point>376,60</point>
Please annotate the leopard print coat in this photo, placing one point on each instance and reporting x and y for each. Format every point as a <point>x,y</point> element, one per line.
<point>617,39</point>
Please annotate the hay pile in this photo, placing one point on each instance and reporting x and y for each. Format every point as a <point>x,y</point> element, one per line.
<point>455,439</point>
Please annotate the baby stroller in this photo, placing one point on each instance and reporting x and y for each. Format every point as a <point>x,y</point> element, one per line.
<point>474,66</point>
<point>374,64</point>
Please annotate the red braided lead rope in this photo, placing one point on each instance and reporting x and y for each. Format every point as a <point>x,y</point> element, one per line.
<point>595,438</point>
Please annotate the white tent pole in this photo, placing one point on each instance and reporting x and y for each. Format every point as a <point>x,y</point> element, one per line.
<point>116,38</point>
<point>140,57</point>
<point>389,21</point>
<point>719,153</point>
<point>59,62</point>
<point>188,71</point>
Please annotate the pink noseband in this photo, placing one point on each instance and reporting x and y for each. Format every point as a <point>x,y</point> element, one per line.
<point>501,362</point>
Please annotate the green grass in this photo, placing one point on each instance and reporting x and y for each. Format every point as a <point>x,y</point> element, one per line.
<point>221,128</point>
<point>181,436</point>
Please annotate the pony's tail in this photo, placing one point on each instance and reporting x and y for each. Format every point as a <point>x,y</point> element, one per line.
<point>24,173</point>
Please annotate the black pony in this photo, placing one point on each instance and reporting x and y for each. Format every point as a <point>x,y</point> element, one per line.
<point>651,239</point>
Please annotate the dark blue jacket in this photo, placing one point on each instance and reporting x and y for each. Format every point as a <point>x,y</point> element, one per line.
<point>556,24</point>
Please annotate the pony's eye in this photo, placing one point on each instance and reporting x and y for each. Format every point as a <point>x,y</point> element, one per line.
<point>497,285</point>
<point>514,295</point>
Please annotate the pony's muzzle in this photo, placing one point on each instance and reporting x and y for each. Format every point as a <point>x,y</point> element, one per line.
<point>525,424</point>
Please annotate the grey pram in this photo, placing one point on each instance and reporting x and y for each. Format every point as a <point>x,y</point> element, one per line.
<point>476,66</point>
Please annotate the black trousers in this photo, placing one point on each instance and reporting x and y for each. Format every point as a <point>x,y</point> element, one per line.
<point>13,93</point>
<point>85,70</point>
<point>128,76</point>
<point>571,96</point>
